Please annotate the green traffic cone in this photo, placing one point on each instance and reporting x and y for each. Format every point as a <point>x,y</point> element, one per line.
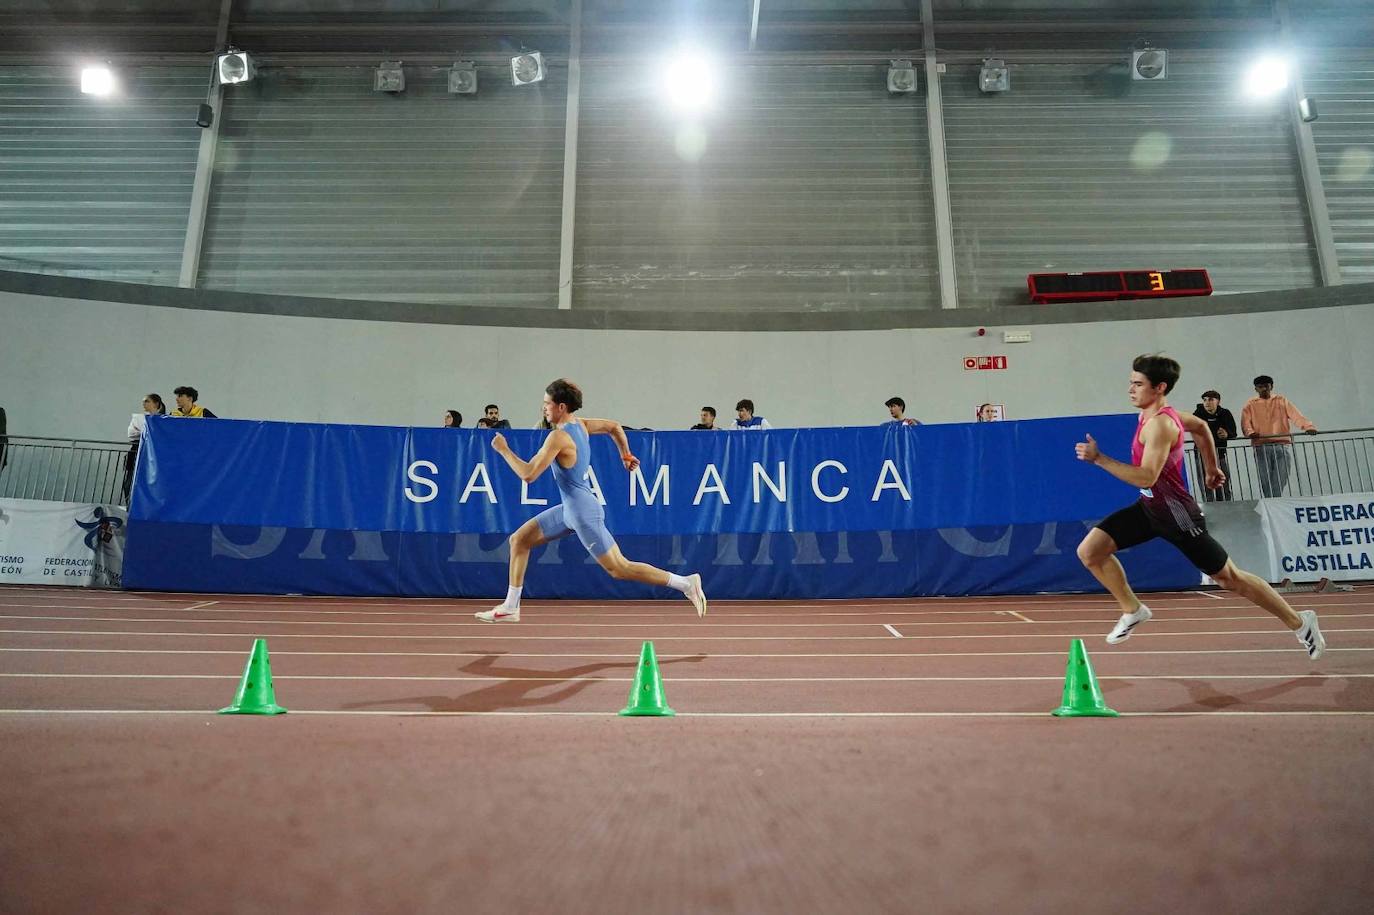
<point>255,695</point>
<point>646,696</point>
<point>1082,695</point>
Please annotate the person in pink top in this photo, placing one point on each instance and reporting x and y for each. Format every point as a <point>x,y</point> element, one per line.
<point>1266,419</point>
<point>1166,509</point>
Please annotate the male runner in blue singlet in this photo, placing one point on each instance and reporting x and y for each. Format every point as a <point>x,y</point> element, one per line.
<point>1167,510</point>
<point>568,451</point>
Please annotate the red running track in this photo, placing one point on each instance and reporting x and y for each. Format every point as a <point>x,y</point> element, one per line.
<point>859,756</point>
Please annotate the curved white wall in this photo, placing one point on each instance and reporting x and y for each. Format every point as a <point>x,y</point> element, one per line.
<point>78,368</point>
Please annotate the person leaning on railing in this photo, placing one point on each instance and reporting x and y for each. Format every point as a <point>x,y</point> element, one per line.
<point>138,424</point>
<point>1266,420</point>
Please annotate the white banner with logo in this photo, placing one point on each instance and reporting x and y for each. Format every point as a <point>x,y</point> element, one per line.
<point>61,543</point>
<point>1321,537</point>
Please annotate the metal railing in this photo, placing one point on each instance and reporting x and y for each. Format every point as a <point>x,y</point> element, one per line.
<point>62,469</point>
<point>1324,464</point>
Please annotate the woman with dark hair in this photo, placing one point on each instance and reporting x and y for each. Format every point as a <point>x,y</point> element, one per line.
<point>452,419</point>
<point>152,406</point>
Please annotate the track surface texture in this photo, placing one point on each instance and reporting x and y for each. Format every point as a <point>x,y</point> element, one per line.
<point>846,757</point>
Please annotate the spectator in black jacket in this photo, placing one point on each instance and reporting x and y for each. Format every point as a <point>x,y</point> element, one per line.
<point>493,417</point>
<point>1223,426</point>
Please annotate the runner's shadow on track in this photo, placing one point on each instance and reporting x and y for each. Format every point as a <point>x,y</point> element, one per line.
<point>514,694</point>
<point>1206,695</point>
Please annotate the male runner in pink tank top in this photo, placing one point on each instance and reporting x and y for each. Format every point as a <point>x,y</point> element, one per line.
<point>1166,509</point>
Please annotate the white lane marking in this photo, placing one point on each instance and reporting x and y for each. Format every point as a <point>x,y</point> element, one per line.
<point>555,714</point>
<point>895,633</point>
<point>689,679</point>
<point>1029,620</point>
<point>589,612</point>
<point>1210,594</point>
<point>202,605</point>
<point>584,654</point>
<point>1022,634</point>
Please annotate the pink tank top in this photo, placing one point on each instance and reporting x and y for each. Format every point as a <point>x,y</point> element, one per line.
<point>1168,501</point>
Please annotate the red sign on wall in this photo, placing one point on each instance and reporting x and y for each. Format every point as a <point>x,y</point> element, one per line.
<point>983,363</point>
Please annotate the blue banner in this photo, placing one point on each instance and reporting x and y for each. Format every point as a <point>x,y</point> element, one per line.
<point>228,505</point>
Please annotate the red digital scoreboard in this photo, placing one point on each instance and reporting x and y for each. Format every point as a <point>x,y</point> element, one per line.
<point>1109,285</point>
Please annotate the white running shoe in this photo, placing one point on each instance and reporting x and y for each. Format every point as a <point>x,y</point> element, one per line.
<point>501,614</point>
<point>1122,630</point>
<point>695,594</point>
<point>1310,634</point>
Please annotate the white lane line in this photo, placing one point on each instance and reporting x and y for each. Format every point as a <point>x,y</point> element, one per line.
<point>586,655</point>
<point>589,613</point>
<point>1210,594</point>
<point>180,620</point>
<point>1021,634</point>
<point>555,714</point>
<point>202,605</point>
<point>688,679</point>
<point>895,633</point>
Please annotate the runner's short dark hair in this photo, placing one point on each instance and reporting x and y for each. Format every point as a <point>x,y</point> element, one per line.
<point>1160,369</point>
<point>565,392</point>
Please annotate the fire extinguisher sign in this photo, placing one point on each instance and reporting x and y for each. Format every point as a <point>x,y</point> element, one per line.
<point>984,363</point>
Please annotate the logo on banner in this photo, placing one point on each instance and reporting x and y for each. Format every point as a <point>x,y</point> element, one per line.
<point>100,529</point>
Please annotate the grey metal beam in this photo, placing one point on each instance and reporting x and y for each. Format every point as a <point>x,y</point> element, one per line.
<point>565,245</point>
<point>1319,217</point>
<point>205,163</point>
<point>754,25</point>
<point>939,172</point>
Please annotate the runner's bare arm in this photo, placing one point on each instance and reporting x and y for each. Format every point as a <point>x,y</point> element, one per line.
<point>617,433</point>
<point>530,470</point>
<point>1159,438</point>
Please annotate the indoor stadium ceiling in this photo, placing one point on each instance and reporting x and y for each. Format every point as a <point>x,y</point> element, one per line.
<point>320,31</point>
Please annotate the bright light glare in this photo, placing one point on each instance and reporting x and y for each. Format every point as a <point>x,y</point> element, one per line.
<point>689,81</point>
<point>97,81</point>
<point>1268,76</point>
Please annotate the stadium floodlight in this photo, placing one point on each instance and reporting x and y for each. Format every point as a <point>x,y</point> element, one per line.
<point>689,81</point>
<point>994,76</point>
<point>234,66</point>
<point>1267,76</point>
<point>389,77</point>
<point>901,78</point>
<point>97,80</point>
<point>462,78</point>
<point>527,69</point>
<point>1149,64</point>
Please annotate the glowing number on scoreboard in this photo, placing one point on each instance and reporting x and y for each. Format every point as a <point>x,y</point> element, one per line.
<point>1156,281</point>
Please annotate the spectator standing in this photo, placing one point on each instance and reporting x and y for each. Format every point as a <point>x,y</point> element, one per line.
<point>1266,419</point>
<point>708,420</point>
<point>1223,426</point>
<point>896,408</point>
<point>745,418</point>
<point>452,419</point>
<point>138,425</point>
<point>493,417</point>
<point>187,406</point>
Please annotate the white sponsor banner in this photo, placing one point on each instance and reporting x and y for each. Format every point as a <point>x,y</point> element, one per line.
<point>61,543</point>
<point>1321,537</point>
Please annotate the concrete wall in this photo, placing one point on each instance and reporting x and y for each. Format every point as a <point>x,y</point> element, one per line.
<point>78,367</point>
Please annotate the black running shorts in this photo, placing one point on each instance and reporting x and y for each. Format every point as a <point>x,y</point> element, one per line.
<point>1132,526</point>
